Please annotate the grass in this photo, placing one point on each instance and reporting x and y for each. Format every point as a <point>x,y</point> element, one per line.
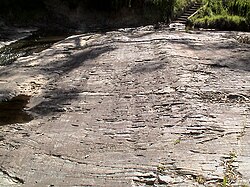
<point>231,175</point>
<point>221,22</point>
<point>178,141</point>
<point>223,15</point>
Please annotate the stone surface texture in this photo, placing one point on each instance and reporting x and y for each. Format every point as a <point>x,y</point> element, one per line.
<point>133,107</point>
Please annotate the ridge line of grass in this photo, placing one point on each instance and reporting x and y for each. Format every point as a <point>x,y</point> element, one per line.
<point>223,15</point>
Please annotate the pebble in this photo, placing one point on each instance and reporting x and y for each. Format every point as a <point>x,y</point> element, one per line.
<point>165,179</point>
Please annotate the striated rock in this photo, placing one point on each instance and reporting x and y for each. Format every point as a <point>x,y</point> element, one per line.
<point>147,178</point>
<point>110,112</point>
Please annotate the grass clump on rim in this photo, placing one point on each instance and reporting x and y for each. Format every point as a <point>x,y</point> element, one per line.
<point>223,15</point>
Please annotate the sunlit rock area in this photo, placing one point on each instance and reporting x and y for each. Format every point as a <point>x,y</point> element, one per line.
<point>130,107</point>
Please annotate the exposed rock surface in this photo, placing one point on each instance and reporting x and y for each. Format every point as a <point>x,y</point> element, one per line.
<point>131,108</point>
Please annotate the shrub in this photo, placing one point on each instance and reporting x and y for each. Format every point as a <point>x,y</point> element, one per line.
<point>222,22</point>
<point>224,15</point>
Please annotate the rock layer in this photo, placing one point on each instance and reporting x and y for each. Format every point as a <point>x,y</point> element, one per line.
<point>129,108</point>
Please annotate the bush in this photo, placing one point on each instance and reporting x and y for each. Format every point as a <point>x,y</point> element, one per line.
<point>238,7</point>
<point>222,22</point>
<point>224,15</point>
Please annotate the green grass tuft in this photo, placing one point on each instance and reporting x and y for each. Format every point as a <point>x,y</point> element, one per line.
<point>223,15</point>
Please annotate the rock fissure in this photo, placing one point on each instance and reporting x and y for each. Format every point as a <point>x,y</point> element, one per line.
<point>13,178</point>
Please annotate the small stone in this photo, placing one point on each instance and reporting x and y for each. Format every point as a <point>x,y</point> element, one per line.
<point>147,178</point>
<point>147,175</point>
<point>165,179</point>
<point>165,90</point>
<point>178,180</point>
<point>148,181</point>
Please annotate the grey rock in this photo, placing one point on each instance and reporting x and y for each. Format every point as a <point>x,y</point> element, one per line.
<point>127,137</point>
<point>165,179</point>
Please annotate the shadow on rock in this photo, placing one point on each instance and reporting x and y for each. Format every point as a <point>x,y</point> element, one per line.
<point>12,110</point>
<point>56,99</point>
<point>234,63</point>
<point>81,59</point>
<point>55,102</point>
<point>148,67</point>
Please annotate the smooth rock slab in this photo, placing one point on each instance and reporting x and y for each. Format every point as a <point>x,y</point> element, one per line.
<point>113,106</point>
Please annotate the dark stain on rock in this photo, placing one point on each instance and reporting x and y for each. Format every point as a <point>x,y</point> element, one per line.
<point>148,67</point>
<point>217,65</point>
<point>12,111</point>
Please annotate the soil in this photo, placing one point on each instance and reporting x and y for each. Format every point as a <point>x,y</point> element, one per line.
<point>132,107</point>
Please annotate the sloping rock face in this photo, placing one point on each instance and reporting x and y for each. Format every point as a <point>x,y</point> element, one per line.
<point>131,107</point>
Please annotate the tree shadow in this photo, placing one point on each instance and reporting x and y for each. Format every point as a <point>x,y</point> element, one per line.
<point>147,67</point>
<point>81,59</point>
<point>233,62</point>
<point>190,43</point>
<point>198,46</point>
<point>57,98</point>
<point>238,60</point>
<point>55,101</point>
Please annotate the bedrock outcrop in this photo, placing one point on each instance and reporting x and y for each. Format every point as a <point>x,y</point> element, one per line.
<point>132,107</point>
